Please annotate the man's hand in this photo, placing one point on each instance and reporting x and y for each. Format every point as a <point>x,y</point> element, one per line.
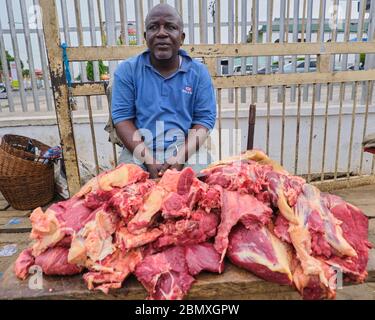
<point>171,163</point>
<point>154,170</point>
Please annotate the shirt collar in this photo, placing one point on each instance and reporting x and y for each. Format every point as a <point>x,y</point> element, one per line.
<point>186,60</point>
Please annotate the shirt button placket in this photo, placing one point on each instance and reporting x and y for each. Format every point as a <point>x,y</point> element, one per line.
<point>164,89</point>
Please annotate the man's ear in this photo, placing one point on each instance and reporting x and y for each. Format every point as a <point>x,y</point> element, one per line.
<point>144,36</point>
<point>182,38</point>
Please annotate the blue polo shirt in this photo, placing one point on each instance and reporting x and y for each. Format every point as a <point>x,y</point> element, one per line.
<point>164,109</point>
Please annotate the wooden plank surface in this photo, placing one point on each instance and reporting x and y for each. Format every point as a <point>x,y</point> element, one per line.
<point>24,225</point>
<point>233,282</point>
<point>10,213</point>
<point>223,50</point>
<point>258,80</point>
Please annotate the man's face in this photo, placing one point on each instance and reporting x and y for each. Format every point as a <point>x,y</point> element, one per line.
<point>164,34</point>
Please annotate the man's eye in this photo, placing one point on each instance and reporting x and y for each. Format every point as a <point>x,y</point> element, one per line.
<point>153,27</point>
<point>172,27</point>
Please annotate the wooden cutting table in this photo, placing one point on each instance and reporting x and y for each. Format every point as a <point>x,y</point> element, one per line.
<point>234,283</point>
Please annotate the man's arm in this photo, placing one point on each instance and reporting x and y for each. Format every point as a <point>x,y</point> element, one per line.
<point>194,140</point>
<point>132,140</point>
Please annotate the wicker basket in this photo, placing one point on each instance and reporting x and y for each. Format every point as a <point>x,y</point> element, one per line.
<point>11,165</point>
<point>16,145</point>
<point>28,192</point>
<point>25,184</point>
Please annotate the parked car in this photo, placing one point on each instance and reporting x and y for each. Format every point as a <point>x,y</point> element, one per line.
<point>237,69</point>
<point>273,69</point>
<point>3,91</point>
<point>300,66</point>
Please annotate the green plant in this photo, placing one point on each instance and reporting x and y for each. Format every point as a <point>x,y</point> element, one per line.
<point>362,58</point>
<point>26,73</point>
<point>90,69</point>
<point>9,58</point>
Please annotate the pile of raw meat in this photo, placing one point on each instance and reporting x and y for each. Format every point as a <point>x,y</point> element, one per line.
<point>247,208</point>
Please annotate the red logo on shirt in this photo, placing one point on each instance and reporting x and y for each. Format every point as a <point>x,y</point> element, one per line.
<point>187,90</point>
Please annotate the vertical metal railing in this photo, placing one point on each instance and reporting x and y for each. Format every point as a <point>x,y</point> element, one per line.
<point>240,19</point>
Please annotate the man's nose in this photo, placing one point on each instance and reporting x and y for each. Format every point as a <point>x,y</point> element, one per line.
<point>162,32</point>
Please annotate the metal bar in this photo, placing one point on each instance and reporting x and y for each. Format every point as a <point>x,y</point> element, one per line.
<point>43,59</point>
<point>138,7</point>
<point>287,21</point>
<point>178,6</point>
<point>218,21</point>
<point>77,9</point>
<point>236,21</point>
<point>373,158</point>
<point>352,129</point>
<point>295,40</point>
<point>230,40</point>
<point>203,21</point>
<point>255,40</point>
<point>4,62</point>
<point>369,59</point>
<point>348,15</point>
<point>25,24</point>
<point>110,31</point>
<point>339,132</point>
<point>282,127</point>
<point>101,23</point>
<point>269,39</point>
<point>269,31</point>
<point>243,40</point>
<point>125,22</point>
<point>268,95</point>
<point>122,5</point>
<point>93,138</point>
<point>217,33</point>
<point>16,54</point>
<point>334,38</point>
<point>64,12</point>
<point>236,120</point>
<point>251,127</point>
<point>219,122</point>
<point>308,40</point>
<point>297,129</point>
<point>191,21</point>
<point>325,132</point>
<point>150,4</point>
<point>96,72</point>
<point>141,21</point>
<point>365,124</point>
<point>311,132</point>
<point>320,39</point>
<point>60,91</point>
<point>361,20</point>
<point>281,40</point>
<point>303,21</point>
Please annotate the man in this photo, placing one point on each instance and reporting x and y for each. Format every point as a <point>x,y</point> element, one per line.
<point>163,102</point>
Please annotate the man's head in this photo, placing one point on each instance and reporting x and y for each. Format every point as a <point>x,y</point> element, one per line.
<point>164,32</point>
